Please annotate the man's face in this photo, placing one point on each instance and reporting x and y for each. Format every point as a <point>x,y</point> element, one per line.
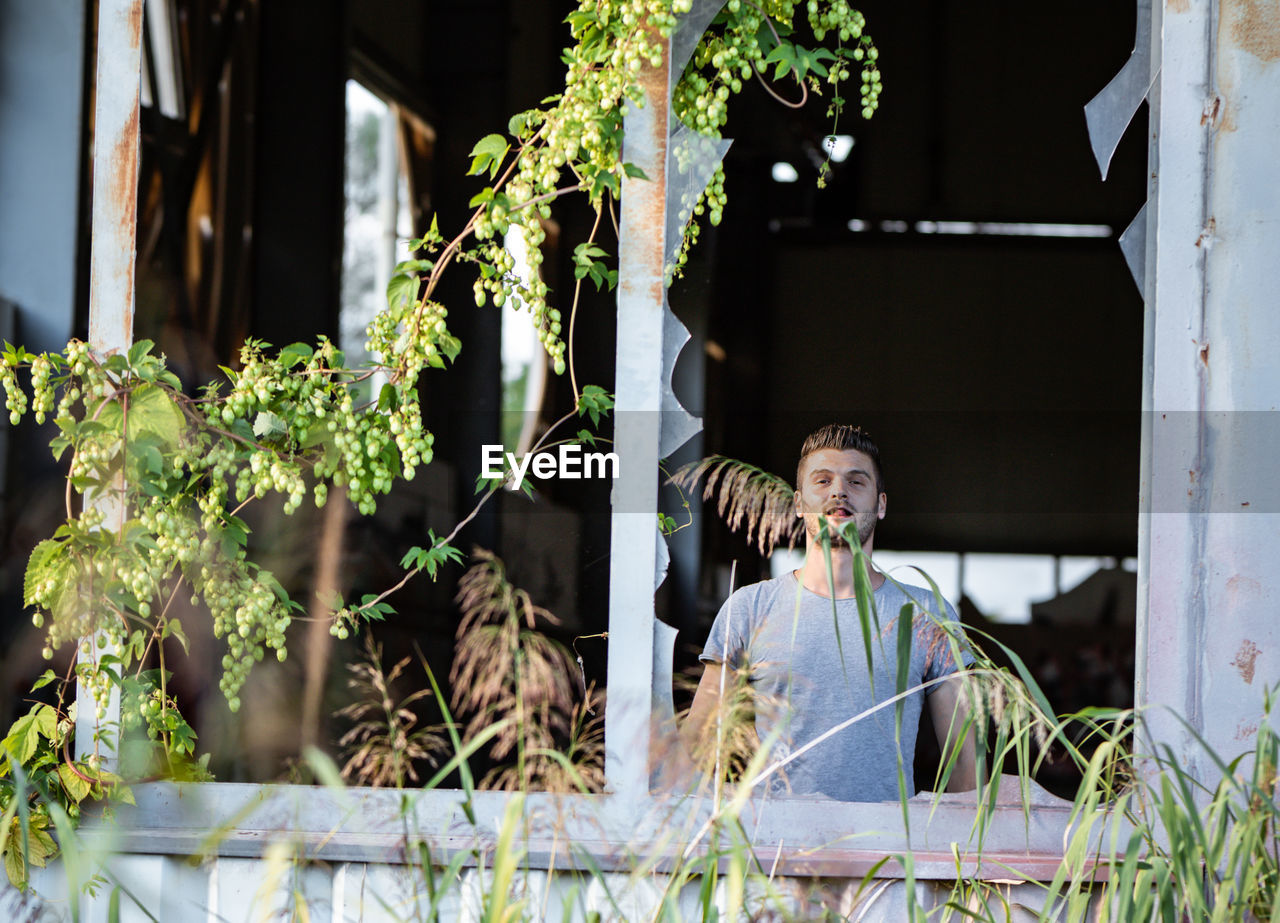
<point>840,484</point>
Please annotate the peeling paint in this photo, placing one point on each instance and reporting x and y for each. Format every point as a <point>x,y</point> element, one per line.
<point>1253,26</point>
<point>1204,355</point>
<point>1206,234</point>
<point>1210,113</point>
<point>1246,660</point>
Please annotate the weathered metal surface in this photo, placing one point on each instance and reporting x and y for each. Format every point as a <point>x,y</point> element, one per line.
<point>1108,114</point>
<point>1208,636</point>
<point>371,826</point>
<point>1235,358</point>
<point>115,175</point>
<point>113,246</point>
<point>289,886</point>
<point>637,432</point>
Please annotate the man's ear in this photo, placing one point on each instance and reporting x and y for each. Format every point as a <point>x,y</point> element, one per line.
<point>795,503</point>
<point>881,505</point>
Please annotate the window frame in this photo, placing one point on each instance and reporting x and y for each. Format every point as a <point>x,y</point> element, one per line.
<point>372,825</point>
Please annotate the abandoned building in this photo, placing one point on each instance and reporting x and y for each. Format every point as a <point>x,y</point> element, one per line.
<point>1070,378</point>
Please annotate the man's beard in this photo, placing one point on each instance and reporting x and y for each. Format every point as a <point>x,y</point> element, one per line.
<point>865,522</point>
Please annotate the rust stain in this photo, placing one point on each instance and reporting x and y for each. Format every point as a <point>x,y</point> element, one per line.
<point>1246,659</point>
<point>120,204</point>
<point>1206,236</point>
<point>1245,730</point>
<point>1179,6</point>
<point>1210,113</point>
<point>1204,355</point>
<point>1253,26</point>
<point>1242,589</point>
<point>123,197</point>
<point>648,204</point>
<point>1227,120</point>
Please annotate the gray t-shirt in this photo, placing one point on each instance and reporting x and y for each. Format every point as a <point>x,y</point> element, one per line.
<point>786,637</point>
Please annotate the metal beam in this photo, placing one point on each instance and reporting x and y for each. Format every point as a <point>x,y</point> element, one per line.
<point>113,247</point>
<point>634,537</point>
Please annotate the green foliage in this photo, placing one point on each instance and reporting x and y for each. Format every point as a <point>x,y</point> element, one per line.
<point>430,559</point>
<point>158,478</point>
<point>594,402</point>
<point>586,265</point>
<point>36,772</point>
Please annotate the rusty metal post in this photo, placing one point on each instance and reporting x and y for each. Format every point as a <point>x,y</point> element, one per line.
<point>634,536</point>
<point>114,236</point>
<point>115,175</point>
<point>1208,634</point>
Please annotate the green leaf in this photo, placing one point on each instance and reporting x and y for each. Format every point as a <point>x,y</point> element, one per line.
<point>594,401</point>
<point>234,533</point>
<point>15,865</point>
<point>633,171</point>
<point>401,290</point>
<point>182,737</point>
<point>488,154</point>
<point>414,266</point>
<point>174,627</point>
<point>40,567</point>
<point>268,579</point>
<point>151,411</point>
<point>77,787</point>
<point>450,346</point>
<point>295,354</point>
<point>24,736</point>
<point>269,426</point>
<point>414,558</point>
<point>152,458</point>
<point>138,350</point>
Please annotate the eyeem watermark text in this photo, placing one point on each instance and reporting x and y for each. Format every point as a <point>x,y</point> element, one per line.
<point>568,462</point>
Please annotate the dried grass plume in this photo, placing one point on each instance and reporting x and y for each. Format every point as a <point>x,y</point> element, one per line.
<point>746,493</point>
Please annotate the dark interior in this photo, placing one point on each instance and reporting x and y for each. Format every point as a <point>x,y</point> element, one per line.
<point>1000,374</point>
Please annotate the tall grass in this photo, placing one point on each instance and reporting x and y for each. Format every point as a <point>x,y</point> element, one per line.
<point>1147,840</point>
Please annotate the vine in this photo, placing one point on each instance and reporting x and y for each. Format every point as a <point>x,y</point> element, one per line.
<point>158,479</point>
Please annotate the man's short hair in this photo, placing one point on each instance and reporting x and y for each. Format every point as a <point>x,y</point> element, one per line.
<point>842,437</point>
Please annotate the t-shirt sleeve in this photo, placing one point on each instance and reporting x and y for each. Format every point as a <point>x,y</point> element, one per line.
<point>727,642</point>
<point>942,650</point>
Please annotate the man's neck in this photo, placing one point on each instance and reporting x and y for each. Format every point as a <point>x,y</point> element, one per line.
<point>815,577</point>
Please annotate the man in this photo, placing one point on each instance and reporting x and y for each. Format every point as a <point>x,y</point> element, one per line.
<point>807,665</point>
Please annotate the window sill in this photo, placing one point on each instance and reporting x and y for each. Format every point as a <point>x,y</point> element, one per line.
<point>793,837</point>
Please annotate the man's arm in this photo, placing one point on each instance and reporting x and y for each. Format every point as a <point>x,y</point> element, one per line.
<point>950,713</point>
<point>701,716</point>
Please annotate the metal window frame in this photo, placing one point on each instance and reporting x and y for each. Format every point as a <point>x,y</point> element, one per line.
<point>1176,592</point>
